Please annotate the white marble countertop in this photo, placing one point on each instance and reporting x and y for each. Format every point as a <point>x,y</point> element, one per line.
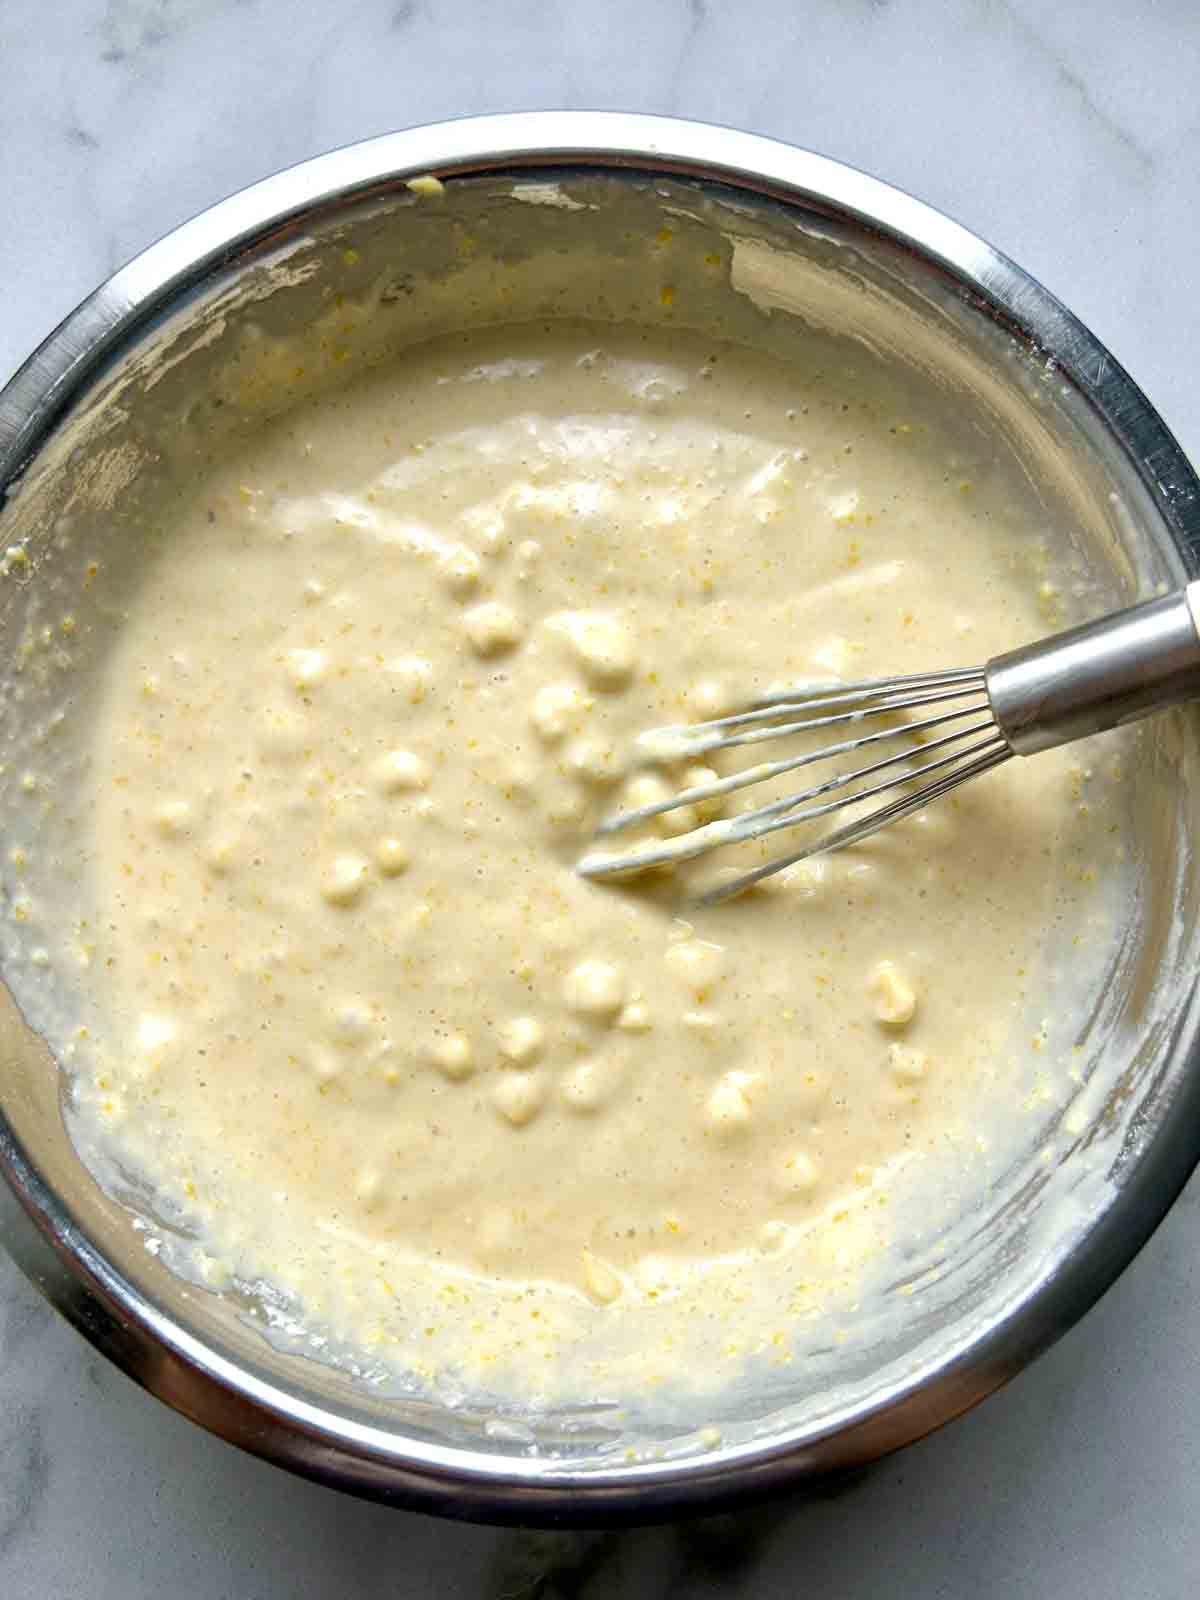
<point>1069,136</point>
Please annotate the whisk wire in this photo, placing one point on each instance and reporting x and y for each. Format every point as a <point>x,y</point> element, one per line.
<point>936,764</point>
<point>862,828</point>
<point>864,689</point>
<point>802,812</point>
<point>687,741</point>
<point>699,794</point>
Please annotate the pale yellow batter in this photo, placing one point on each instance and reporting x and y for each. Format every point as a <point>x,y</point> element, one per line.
<point>370,1029</point>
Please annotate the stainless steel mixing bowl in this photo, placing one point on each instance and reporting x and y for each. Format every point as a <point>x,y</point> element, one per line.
<point>543,215</point>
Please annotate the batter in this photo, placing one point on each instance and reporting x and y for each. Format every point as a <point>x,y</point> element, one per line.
<point>371,1033</point>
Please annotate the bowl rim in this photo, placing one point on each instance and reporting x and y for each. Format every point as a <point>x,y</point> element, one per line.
<point>261,1416</point>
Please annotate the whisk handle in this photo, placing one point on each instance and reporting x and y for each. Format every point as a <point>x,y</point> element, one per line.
<point>1100,675</point>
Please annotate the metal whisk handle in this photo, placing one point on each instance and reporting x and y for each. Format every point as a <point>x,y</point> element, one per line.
<point>1100,675</point>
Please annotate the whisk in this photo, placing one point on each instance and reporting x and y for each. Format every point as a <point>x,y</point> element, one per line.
<point>954,725</point>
